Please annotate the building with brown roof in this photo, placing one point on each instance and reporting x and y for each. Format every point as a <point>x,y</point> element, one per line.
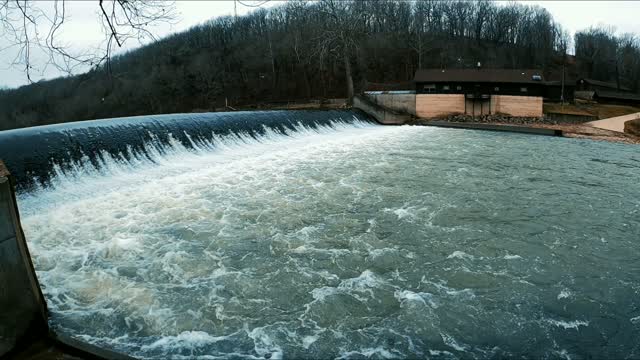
<point>514,92</point>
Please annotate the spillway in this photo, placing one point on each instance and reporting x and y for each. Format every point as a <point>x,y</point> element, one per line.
<point>324,235</point>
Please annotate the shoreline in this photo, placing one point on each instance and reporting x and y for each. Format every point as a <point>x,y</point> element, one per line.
<point>578,131</point>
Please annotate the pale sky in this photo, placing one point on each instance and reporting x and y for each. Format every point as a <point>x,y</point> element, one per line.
<point>83,32</point>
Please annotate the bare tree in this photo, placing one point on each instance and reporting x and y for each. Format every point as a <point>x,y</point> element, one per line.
<point>340,34</point>
<point>34,27</point>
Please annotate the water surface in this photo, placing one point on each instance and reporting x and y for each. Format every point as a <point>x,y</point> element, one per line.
<point>348,241</point>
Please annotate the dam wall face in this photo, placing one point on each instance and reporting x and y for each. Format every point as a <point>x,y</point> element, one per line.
<point>34,155</point>
<point>380,113</point>
<point>22,307</point>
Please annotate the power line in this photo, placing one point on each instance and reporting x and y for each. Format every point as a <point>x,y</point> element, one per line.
<point>253,5</point>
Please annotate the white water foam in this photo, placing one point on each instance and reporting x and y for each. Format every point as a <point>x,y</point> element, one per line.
<point>369,353</point>
<point>567,324</point>
<point>410,297</point>
<point>285,242</point>
<point>564,294</point>
<point>460,255</point>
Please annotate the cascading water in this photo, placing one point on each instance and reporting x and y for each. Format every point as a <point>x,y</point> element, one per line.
<point>31,153</point>
<point>323,235</point>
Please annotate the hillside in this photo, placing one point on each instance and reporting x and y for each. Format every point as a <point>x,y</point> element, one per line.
<point>300,51</point>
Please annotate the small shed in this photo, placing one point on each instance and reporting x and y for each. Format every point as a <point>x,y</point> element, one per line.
<point>614,97</point>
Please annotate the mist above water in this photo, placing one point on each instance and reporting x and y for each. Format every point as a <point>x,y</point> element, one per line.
<point>347,240</point>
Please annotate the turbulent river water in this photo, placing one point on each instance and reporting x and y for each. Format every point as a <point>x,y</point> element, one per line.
<point>347,240</point>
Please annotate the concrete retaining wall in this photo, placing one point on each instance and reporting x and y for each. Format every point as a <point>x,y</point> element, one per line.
<point>381,114</point>
<point>478,108</point>
<point>617,123</point>
<point>398,102</point>
<point>22,307</point>
<point>495,127</point>
<point>24,329</point>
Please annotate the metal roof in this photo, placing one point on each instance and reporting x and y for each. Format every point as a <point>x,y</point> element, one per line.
<point>604,84</point>
<point>617,95</point>
<point>520,76</point>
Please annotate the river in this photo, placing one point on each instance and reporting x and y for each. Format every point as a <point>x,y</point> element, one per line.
<point>347,240</point>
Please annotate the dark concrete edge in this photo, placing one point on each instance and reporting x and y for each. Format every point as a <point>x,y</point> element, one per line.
<point>22,244</point>
<point>370,102</point>
<point>495,127</point>
<point>40,326</point>
<point>82,349</point>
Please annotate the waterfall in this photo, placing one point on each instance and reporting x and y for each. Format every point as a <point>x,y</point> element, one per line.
<point>35,155</point>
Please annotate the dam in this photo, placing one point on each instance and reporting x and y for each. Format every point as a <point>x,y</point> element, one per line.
<point>321,234</point>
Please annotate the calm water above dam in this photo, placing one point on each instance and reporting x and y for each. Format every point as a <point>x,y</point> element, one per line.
<point>347,240</point>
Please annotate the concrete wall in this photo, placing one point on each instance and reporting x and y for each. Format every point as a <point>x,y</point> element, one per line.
<point>520,106</point>
<point>22,307</point>
<point>439,105</point>
<point>617,123</point>
<point>477,108</point>
<point>442,105</point>
<point>381,114</point>
<point>24,330</point>
<point>398,102</point>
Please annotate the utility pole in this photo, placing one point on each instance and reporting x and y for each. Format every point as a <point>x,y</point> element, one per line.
<point>564,61</point>
<point>562,87</point>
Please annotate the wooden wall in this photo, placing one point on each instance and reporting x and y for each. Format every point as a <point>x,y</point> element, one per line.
<point>439,105</point>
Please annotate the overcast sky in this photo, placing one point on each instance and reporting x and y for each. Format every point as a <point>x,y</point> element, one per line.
<point>83,31</point>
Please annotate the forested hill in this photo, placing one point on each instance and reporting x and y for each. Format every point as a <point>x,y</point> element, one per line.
<point>321,49</point>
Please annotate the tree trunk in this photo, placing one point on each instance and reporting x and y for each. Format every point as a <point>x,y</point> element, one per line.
<point>273,65</point>
<point>349,78</point>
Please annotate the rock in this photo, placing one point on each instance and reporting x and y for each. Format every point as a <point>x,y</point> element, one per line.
<point>497,118</point>
<point>632,127</point>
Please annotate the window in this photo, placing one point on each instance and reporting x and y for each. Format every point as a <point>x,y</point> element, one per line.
<point>496,89</point>
<point>430,88</point>
<point>523,89</point>
<point>458,87</point>
<point>445,87</point>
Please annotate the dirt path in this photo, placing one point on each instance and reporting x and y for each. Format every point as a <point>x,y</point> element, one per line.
<point>614,123</point>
